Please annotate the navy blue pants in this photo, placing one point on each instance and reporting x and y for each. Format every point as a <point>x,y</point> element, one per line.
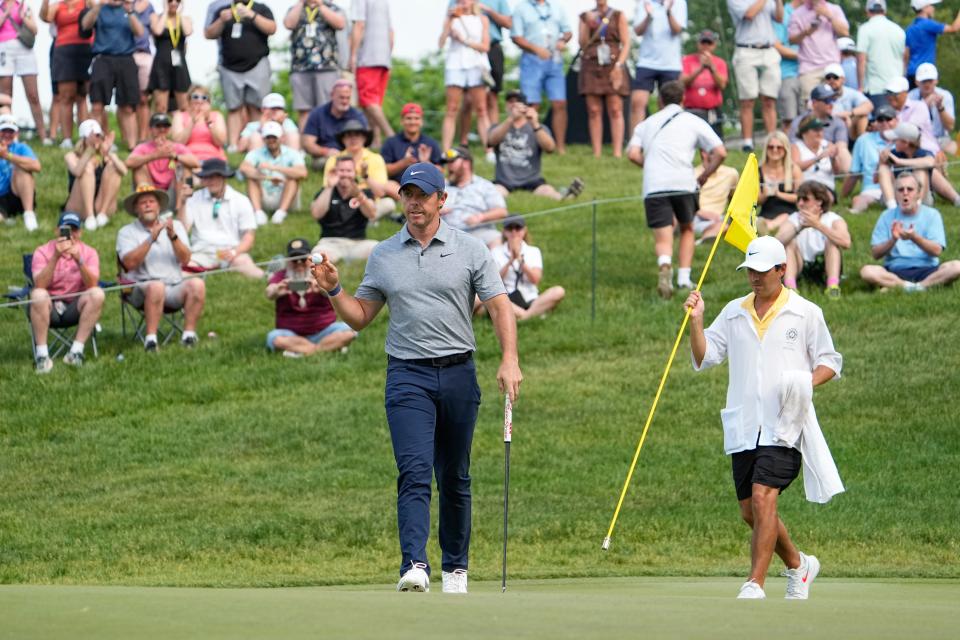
<point>432,412</point>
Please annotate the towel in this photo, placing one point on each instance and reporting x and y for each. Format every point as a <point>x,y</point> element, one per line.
<point>796,403</point>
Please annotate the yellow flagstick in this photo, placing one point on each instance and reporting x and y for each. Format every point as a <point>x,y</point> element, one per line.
<point>741,214</point>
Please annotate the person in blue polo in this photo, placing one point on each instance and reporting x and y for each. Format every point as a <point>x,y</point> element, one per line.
<point>428,274</point>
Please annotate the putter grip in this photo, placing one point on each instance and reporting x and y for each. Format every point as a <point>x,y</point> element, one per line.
<point>507,419</point>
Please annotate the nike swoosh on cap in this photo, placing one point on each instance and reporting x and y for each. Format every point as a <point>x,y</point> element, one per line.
<point>416,173</point>
<point>753,254</point>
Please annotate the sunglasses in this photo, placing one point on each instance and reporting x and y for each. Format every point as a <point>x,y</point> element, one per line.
<point>776,147</point>
<point>200,96</point>
<point>162,125</point>
<point>884,119</point>
<point>806,198</point>
<point>831,77</point>
<point>216,208</point>
<point>512,228</point>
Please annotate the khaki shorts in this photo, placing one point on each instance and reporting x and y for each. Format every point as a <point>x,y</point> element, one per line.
<point>173,295</point>
<point>337,249</point>
<point>144,62</point>
<point>757,72</point>
<point>808,81</point>
<point>789,104</point>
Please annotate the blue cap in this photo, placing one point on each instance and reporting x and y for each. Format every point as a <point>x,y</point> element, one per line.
<point>424,175</point>
<point>69,218</point>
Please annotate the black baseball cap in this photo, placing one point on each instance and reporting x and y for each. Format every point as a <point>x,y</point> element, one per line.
<point>514,94</point>
<point>516,222</point>
<point>160,120</point>
<point>298,248</point>
<point>708,36</point>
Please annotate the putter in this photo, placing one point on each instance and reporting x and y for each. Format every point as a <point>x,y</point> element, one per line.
<point>507,436</point>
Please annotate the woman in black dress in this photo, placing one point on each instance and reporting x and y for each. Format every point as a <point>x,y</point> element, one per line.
<point>169,73</point>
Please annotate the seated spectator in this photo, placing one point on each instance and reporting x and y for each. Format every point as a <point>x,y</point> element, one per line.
<point>910,238</point>
<point>343,210</point>
<point>323,125</point>
<point>94,173</point>
<point>866,159</point>
<point>834,129</point>
<point>913,111</point>
<point>519,142</point>
<point>273,174</point>
<point>355,138</point>
<point>521,268</point>
<point>848,60</point>
<point>714,196</point>
<point>152,253</point>
<point>408,146</point>
<point>201,127</point>
<point>704,78</point>
<point>939,103</point>
<point>906,155</point>
<point>779,179</point>
<point>849,105</point>
<point>18,184</point>
<point>922,35</point>
<point>816,158</point>
<point>473,203</point>
<point>814,237</point>
<point>157,160</point>
<point>65,266</point>
<point>221,222</point>
<point>305,320</point>
<point>273,108</point>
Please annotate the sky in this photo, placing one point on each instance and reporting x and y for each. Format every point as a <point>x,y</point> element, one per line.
<point>417,24</point>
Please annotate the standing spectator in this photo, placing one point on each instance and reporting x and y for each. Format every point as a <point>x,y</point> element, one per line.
<point>409,146</point>
<point>18,184</point>
<point>834,129</point>
<point>355,138</point>
<point>371,49</point>
<point>157,160</point>
<point>465,66</point>
<point>521,269</point>
<point>343,210</point>
<point>201,128</point>
<point>659,23</point>
<point>305,320</point>
<point>314,54</point>
<point>815,156</point>
<point>667,141</point>
<point>866,158</point>
<point>849,104</point>
<point>94,174</point>
<point>914,111</point>
<point>603,81</point>
<point>940,104</point>
<point>541,30</point>
<point>220,221</point>
<point>922,34</point>
<point>152,253</point>
<point>18,60</point>
<point>848,60</point>
<point>67,269</point>
<point>243,31</point>
<point>910,238</point>
<point>273,108</point>
<point>273,174</point>
<point>756,62</point>
<point>473,203</point>
<point>815,26</point>
<point>143,56</point>
<point>169,74</point>
<point>779,179</point>
<point>324,123</point>
<point>70,66</point>
<point>789,102</point>
<point>115,29</point>
<point>520,141</point>
<point>880,49</point>
<point>704,78</point>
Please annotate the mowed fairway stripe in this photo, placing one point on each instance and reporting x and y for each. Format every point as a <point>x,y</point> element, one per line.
<point>584,608</point>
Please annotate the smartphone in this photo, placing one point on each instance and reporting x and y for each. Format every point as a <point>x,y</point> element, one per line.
<point>66,231</point>
<point>298,286</point>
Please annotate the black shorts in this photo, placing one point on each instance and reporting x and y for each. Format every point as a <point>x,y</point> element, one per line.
<point>114,72</point>
<point>71,63</point>
<point>661,210</point>
<point>645,78</point>
<point>533,185</point>
<point>10,204</point>
<point>166,77</point>
<point>495,56</point>
<point>773,467</point>
<point>65,313</point>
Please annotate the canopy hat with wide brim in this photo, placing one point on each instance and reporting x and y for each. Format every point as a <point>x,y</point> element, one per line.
<point>355,126</point>
<point>145,189</point>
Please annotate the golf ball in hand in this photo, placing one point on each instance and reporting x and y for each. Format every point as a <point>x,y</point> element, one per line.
<point>317,258</point>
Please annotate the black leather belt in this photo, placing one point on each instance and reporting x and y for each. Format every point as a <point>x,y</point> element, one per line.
<point>443,361</point>
<point>754,46</point>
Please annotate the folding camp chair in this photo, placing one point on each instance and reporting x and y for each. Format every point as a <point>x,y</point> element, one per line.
<point>171,322</point>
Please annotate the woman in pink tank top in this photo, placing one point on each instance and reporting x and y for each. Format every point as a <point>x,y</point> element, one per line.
<point>201,128</point>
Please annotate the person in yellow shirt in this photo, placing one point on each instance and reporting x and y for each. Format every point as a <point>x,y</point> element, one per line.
<point>355,138</point>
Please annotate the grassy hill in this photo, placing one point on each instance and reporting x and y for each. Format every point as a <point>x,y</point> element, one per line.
<point>230,466</point>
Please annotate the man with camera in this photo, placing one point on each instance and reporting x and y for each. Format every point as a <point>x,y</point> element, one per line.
<point>306,322</point>
<point>65,266</point>
<point>343,210</point>
<point>157,160</point>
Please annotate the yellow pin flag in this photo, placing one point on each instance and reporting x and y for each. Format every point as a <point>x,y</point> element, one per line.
<point>742,211</point>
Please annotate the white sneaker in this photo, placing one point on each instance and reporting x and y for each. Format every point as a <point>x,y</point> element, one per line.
<point>751,591</point>
<point>47,142</point>
<point>90,224</point>
<point>416,579</point>
<point>30,221</point>
<point>490,157</point>
<point>455,581</point>
<point>278,216</point>
<point>800,579</point>
<point>292,354</point>
<point>102,219</point>
<point>43,364</point>
<point>67,144</point>
<point>261,217</point>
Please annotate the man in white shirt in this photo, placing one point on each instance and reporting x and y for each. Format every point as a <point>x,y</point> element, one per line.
<point>220,221</point>
<point>664,144</point>
<point>771,336</point>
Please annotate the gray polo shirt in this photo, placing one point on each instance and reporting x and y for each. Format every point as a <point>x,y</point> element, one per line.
<point>759,30</point>
<point>161,262</point>
<point>430,290</point>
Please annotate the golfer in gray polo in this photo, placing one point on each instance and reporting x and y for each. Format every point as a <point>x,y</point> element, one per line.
<point>428,274</point>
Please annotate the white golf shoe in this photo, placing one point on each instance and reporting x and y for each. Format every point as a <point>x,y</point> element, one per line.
<point>455,581</point>
<point>415,579</point>
<point>751,591</point>
<point>800,579</point>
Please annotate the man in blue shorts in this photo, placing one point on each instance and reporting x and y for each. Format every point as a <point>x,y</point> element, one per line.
<point>660,24</point>
<point>910,238</point>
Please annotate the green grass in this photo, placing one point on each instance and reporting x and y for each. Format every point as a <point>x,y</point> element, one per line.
<point>583,608</point>
<point>227,466</point>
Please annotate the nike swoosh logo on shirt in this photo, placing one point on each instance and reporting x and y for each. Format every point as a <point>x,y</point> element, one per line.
<point>444,255</point>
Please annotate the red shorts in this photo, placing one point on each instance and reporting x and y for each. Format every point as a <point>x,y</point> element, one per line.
<point>372,85</point>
